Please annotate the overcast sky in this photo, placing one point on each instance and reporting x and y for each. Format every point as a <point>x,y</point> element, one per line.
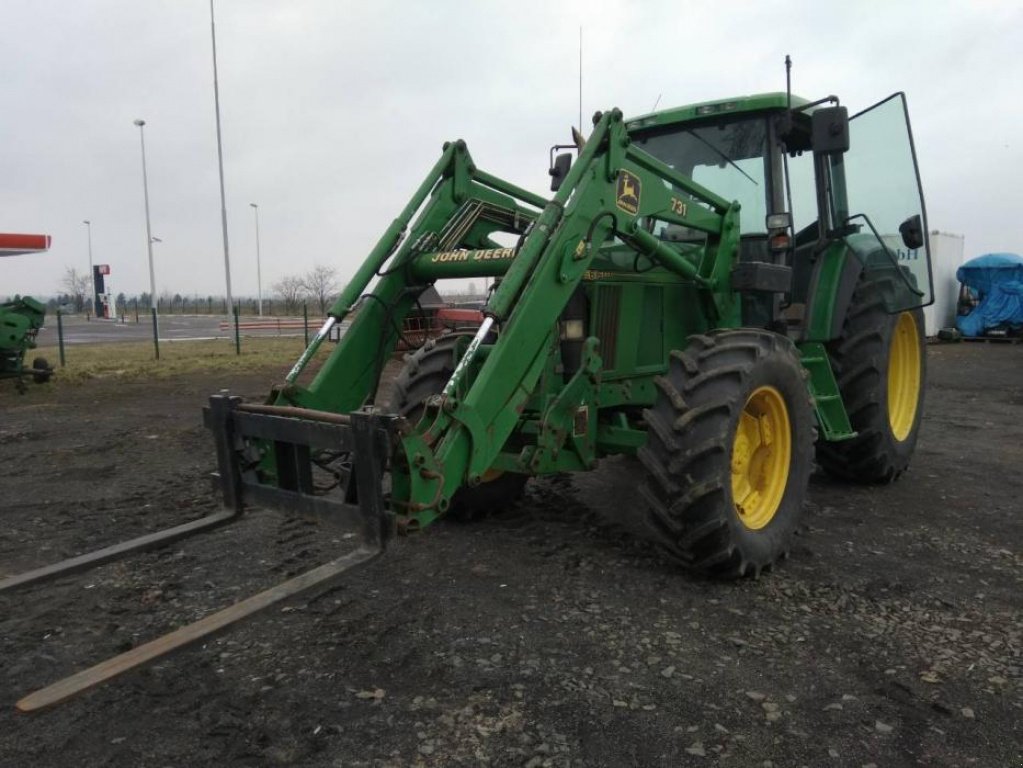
<point>333,112</point>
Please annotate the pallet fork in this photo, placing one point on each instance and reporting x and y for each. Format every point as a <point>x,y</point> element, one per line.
<point>356,505</point>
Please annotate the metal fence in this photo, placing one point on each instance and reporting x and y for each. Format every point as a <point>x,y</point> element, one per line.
<point>141,326</point>
<point>66,330</point>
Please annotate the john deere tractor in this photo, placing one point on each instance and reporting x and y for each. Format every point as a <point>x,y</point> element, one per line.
<point>729,291</point>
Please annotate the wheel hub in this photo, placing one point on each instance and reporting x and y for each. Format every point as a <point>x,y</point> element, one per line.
<point>903,376</point>
<point>761,454</point>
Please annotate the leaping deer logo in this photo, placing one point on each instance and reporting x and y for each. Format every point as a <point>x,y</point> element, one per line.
<point>627,197</point>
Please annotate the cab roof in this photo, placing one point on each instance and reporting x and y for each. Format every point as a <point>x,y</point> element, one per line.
<point>759,102</point>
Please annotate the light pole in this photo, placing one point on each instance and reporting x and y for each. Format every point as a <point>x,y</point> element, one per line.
<point>220,161</point>
<point>155,301</point>
<point>149,232</point>
<point>259,272</point>
<point>92,279</point>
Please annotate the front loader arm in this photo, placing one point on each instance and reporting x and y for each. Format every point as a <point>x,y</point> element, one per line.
<point>349,376</point>
<point>611,189</point>
<point>614,191</point>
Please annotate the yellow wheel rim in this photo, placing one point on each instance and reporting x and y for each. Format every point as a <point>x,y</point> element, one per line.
<point>490,475</point>
<point>903,376</point>
<point>761,455</point>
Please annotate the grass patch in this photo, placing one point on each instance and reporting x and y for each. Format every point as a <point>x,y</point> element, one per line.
<point>136,359</point>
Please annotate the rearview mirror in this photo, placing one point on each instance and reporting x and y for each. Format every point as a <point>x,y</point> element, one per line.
<point>559,170</point>
<point>912,232</point>
<point>830,131</point>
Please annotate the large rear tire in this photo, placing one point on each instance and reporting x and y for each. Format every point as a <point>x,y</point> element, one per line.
<point>43,371</point>
<point>729,452</point>
<point>880,363</point>
<point>426,372</point>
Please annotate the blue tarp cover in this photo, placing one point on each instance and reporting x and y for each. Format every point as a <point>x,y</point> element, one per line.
<point>997,280</point>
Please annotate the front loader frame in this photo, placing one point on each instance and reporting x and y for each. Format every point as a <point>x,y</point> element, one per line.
<point>611,188</point>
<point>359,504</point>
<point>266,452</point>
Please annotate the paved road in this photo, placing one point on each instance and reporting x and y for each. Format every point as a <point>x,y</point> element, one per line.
<point>78,330</point>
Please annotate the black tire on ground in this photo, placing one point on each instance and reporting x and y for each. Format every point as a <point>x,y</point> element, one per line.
<point>861,358</point>
<point>425,373</point>
<point>710,388</point>
<point>40,364</point>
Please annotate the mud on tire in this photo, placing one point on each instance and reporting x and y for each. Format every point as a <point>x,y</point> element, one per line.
<point>688,457</point>
<point>861,358</point>
<point>425,373</point>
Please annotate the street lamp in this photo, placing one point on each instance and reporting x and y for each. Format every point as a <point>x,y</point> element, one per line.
<point>259,273</point>
<point>92,279</point>
<point>220,163</point>
<point>149,232</point>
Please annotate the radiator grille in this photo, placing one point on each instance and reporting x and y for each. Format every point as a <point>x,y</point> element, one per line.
<point>650,346</point>
<point>609,298</point>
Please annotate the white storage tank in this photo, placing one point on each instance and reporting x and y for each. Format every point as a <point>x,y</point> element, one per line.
<point>946,257</point>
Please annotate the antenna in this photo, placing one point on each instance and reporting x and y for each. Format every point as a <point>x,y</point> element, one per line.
<point>580,78</point>
<point>656,102</point>
<point>788,82</point>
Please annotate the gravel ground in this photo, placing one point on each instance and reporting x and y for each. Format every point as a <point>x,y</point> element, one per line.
<point>545,636</point>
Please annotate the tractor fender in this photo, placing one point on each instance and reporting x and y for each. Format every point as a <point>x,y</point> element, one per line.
<point>830,293</point>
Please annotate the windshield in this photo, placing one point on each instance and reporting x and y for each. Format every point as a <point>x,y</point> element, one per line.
<point>727,159</point>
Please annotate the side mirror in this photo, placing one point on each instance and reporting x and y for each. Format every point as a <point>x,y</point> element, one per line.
<point>559,170</point>
<point>830,131</point>
<point>912,232</point>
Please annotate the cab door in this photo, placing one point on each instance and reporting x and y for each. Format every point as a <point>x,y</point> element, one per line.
<point>878,204</point>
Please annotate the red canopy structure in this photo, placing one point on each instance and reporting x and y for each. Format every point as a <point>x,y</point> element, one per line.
<point>16,245</point>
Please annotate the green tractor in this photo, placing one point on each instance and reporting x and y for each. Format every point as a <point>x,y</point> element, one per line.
<point>20,321</point>
<point>729,291</point>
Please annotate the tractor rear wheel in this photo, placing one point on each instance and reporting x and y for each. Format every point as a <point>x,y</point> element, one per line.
<point>880,364</point>
<point>43,370</point>
<point>729,452</point>
<point>426,372</point>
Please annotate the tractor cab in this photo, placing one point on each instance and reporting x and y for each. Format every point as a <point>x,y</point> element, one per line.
<point>727,153</point>
<point>792,169</point>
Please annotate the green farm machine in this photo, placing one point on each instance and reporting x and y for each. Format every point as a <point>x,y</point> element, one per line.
<point>729,291</point>
<point>20,321</point>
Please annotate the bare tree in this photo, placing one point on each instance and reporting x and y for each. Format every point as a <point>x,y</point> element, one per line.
<point>165,302</point>
<point>289,289</point>
<point>78,287</point>
<point>321,284</point>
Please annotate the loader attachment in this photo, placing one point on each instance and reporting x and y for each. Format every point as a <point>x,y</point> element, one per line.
<point>203,629</point>
<point>107,554</point>
<point>303,460</point>
<point>274,456</point>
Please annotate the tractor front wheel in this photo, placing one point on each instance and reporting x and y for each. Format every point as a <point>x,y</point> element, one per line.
<point>43,371</point>
<point>729,452</point>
